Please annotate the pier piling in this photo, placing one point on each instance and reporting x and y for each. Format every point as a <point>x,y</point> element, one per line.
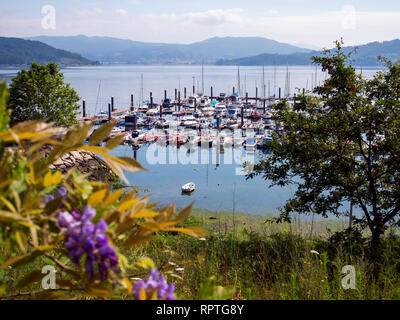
<point>84,108</point>
<point>151,100</point>
<point>112,104</point>
<point>256,97</point>
<point>109,112</point>
<point>242,113</point>
<point>134,122</point>
<point>264,105</point>
<point>179,101</point>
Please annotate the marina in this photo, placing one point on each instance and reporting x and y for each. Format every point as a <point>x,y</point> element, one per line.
<point>208,114</point>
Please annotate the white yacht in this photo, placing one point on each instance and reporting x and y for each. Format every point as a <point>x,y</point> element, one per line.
<point>220,108</point>
<point>189,187</point>
<point>190,122</point>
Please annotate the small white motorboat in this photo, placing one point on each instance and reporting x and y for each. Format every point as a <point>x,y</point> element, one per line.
<point>188,188</point>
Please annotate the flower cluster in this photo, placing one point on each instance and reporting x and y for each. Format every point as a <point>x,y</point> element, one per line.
<point>154,283</point>
<point>61,193</point>
<point>85,237</point>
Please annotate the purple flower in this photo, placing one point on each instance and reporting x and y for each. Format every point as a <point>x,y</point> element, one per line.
<point>155,281</point>
<point>46,199</point>
<point>88,213</point>
<point>61,193</point>
<point>83,237</point>
<point>65,219</point>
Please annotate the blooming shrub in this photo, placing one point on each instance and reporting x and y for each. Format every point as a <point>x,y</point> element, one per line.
<point>85,237</point>
<point>76,224</point>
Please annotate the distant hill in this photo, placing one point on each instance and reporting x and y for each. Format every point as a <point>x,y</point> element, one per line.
<point>366,55</point>
<point>112,50</point>
<point>19,52</point>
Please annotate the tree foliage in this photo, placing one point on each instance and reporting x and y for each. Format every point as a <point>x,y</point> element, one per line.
<point>4,112</point>
<point>41,93</point>
<point>340,145</point>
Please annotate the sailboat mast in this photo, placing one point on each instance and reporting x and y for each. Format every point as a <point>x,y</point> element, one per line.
<point>141,90</point>
<point>98,98</point>
<point>202,78</point>
<point>316,71</point>
<point>238,82</point>
<point>287,82</point>
<point>101,97</point>
<point>275,77</point>
<point>263,81</point>
<point>245,82</point>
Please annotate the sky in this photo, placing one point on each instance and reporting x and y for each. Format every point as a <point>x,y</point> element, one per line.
<point>311,23</point>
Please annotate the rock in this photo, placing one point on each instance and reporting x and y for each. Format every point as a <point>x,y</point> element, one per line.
<point>69,162</point>
<point>58,162</point>
<point>76,155</point>
<point>85,161</point>
<point>92,163</point>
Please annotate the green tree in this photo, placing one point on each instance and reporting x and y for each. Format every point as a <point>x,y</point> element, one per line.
<point>4,112</point>
<point>40,93</point>
<point>341,145</point>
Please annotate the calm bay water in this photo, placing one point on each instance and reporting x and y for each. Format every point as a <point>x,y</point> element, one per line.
<point>218,188</point>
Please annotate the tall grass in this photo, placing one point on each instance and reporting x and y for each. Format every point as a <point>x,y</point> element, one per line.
<point>268,261</point>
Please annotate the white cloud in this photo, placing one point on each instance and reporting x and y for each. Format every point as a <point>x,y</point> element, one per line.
<point>210,17</point>
<point>323,29</point>
<point>121,12</point>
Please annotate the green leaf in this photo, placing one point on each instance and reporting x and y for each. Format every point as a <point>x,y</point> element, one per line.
<point>48,261</point>
<point>30,278</point>
<point>115,142</point>
<point>146,263</point>
<point>101,134</point>
<point>98,290</point>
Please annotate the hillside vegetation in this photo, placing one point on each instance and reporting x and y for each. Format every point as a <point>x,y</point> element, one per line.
<point>19,52</point>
